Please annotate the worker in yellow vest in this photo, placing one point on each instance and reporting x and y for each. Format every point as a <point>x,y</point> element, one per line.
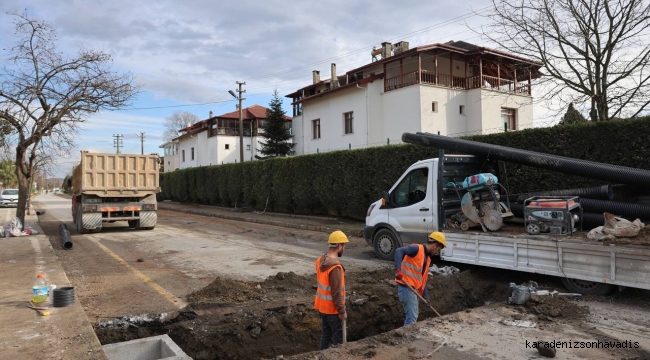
<point>330,291</point>
<point>412,266</point>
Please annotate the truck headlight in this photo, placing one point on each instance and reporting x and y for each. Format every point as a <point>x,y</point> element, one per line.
<point>370,209</point>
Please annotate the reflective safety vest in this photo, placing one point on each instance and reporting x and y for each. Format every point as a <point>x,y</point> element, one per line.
<point>324,301</point>
<point>412,270</point>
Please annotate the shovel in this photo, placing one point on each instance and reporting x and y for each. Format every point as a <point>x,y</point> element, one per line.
<point>345,331</point>
<point>421,298</point>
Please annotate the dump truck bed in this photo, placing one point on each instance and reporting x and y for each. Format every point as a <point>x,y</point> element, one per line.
<point>116,175</point>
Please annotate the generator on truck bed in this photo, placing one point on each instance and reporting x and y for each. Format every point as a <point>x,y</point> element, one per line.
<point>421,202</point>
<point>115,187</point>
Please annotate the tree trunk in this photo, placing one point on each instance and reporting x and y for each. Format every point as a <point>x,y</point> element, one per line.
<point>23,186</point>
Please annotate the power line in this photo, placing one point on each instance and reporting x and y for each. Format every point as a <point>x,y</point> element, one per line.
<point>173,106</point>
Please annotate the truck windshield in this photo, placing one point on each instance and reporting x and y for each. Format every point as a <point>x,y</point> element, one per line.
<point>412,189</point>
<point>10,192</point>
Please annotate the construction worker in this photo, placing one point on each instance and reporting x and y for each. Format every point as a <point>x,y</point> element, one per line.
<point>330,291</point>
<point>412,267</point>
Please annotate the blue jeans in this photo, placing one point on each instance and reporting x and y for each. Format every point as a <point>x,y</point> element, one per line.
<point>332,330</point>
<point>410,302</point>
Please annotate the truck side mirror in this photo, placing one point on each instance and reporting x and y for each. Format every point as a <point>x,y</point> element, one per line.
<point>385,199</point>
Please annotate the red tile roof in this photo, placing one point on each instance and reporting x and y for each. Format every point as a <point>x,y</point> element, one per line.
<point>249,113</point>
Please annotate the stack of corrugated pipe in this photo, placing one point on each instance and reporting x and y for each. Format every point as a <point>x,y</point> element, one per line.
<point>594,201</point>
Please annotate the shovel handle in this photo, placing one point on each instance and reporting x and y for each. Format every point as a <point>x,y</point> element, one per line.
<point>421,298</point>
<point>345,331</point>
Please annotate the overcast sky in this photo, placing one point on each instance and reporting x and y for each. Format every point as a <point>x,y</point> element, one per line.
<point>192,52</point>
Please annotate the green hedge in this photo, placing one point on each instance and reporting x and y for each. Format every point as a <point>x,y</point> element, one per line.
<point>344,183</point>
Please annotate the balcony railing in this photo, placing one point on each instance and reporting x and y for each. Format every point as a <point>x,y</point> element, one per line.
<point>457,82</point>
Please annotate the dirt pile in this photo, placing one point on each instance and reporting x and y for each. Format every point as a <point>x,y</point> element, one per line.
<point>246,320</point>
<point>548,308</point>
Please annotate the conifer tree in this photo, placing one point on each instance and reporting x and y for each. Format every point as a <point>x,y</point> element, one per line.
<point>275,131</point>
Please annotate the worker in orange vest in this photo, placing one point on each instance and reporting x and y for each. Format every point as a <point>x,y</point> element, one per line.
<point>330,291</point>
<point>412,266</point>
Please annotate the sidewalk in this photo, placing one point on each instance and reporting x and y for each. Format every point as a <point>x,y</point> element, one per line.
<point>304,222</point>
<point>66,333</point>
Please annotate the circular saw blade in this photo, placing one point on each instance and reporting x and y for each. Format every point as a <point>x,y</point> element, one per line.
<point>492,220</point>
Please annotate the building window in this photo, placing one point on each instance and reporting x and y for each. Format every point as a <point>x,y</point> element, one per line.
<point>248,147</point>
<point>315,129</point>
<point>509,118</point>
<point>227,146</point>
<point>168,162</point>
<point>183,153</point>
<point>461,109</point>
<point>192,154</point>
<point>434,106</point>
<point>348,120</point>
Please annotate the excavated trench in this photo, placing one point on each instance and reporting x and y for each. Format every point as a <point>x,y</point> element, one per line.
<point>243,320</point>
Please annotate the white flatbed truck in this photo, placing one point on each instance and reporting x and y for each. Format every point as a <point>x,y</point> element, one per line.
<point>405,217</point>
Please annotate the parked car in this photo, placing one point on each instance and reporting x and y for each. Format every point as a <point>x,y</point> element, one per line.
<point>9,197</point>
<point>57,191</point>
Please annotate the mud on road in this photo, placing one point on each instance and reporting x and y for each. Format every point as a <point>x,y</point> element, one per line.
<point>231,319</point>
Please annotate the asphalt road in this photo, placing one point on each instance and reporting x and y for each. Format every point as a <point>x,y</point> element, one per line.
<point>121,271</point>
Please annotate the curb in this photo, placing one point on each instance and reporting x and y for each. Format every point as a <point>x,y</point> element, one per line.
<point>325,229</point>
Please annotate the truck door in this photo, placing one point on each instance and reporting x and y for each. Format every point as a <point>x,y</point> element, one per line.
<point>412,209</point>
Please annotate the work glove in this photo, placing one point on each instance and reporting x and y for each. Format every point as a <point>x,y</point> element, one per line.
<point>398,274</point>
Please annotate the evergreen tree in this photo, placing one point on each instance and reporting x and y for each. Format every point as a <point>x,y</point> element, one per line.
<point>572,116</point>
<point>275,131</point>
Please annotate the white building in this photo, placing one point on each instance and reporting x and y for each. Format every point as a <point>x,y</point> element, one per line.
<point>454,88</point>
<point>170,155</point>
<point>215,141</point>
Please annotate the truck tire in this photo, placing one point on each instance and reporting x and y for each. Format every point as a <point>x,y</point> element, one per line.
<point>133,224</point>
<point>385,243</point>
<point>80,222</point>
<point>587,287</point>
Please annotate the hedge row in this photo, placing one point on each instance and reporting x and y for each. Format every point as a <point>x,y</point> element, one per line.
<point>344,183</point>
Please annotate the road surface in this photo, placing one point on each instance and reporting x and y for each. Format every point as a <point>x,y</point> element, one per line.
<point>121,271</point>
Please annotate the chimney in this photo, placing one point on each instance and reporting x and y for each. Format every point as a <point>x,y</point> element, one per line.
<point>386,49</point>
<point>401,46</point>
<point>316,76</point>
<point>210,117</point>
<point>334,81</point>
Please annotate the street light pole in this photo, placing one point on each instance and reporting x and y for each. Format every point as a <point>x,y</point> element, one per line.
<point>241,121</point>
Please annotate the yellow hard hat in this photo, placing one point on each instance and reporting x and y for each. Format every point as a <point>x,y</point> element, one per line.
<point>437,236</point>
<point>338,237</point>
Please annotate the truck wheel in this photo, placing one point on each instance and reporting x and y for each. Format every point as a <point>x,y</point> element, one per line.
<point>80,222</point>
<point>587,287</point>
<point>133,223</point>
<point>385,244</point>
<point>149,228</point>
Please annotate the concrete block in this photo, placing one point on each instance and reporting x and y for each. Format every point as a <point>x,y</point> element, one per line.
<point>151,348</point>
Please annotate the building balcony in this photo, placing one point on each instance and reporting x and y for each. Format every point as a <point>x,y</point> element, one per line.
<point>458,82</point>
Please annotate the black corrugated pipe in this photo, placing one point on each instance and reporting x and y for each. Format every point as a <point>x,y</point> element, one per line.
<point>590,169</point>
<point>604,192</point>
<point>65,237</point>
<point>631,210</point>
<point>590,221</point>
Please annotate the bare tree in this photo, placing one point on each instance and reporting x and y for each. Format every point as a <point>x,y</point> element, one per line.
<point>595,52</point>
<point>45,94</point>
<point>177,121</point>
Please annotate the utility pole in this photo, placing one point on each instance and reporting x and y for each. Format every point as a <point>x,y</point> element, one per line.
<point>241,121</point>
<point>141,136</point>
<point>117,142</point>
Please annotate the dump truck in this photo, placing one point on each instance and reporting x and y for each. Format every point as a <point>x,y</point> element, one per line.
<point>425,199</point>
<point>115,187</point>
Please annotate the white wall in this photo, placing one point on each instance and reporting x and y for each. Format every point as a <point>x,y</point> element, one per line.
<point>447,119</point>
<point>187,143</point>
<point>401,110</point>
<point>492,102</point>
<point>330,109</point>
<point>406,109</point>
